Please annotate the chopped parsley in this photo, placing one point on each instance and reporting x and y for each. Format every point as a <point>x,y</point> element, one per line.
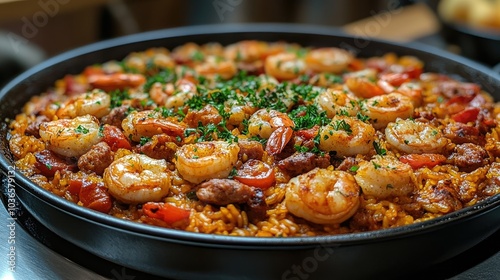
<point>163,77</point>
<point>342,125</point>
<point>380,151</point>
<point>197,56</point>
<point>117,96</point>
<point>144,140</point>
<point>305,117</point>
<point>81,129</point>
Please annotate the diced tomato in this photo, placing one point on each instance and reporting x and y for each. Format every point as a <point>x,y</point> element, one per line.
<point>460,99</point>
<point>95,196</point>
<point>256,173</point>
<point>308,134</point>
<point>72,86</point>
<point>115,138</point>
<point>74,187</point>
<point>467,115</point>
<point>166,212</point>
<point>413,72</point>
<point>92,195</point>
<point>420,160</point>
<point>49,163</point>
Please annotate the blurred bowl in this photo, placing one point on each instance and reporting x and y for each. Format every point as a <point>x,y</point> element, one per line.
<point>481,44</point>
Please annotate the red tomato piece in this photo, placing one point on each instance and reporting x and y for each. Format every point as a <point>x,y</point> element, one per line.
<point>165,212</point>
<point>308,134</point>
<point>49,163</point>
<point>467,115</point>
<point>74,187</point>
<point>95,196</point>
<point>413,72</point>
<point>420,160</point>
<point>256,173</point>
<point>72,86</point>
<point>92,195</point>
<point>115,138</point>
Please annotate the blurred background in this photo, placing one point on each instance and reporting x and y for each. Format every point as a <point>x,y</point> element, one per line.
<point>32,31</point>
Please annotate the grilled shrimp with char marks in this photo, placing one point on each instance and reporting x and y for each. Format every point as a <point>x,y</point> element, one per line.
<point>323,196</point>
<point>137,178</point>
<point>206,160</point>
<point>71,137</point>
<point>385,176</point>
<point>415,137</point>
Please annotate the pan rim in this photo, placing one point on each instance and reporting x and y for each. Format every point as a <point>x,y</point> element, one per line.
<point>236,241</point>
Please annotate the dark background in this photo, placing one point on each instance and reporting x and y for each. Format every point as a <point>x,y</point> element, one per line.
<point>31,31</point>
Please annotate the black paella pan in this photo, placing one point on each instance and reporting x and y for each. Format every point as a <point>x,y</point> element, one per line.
<point>177,254</point>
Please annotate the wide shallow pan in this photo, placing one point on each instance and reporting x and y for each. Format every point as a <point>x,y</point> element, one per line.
<point>177,254</point>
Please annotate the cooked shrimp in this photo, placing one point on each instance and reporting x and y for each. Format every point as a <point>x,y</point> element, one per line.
<point>159,93</point>
<point>206,160</point>
<point>284,66</point>
<point>412,90</point>
<point>213,66</point>
<point>188,53</point>
<point>335,102</point>
<point>346,136</point>
<point>385,176</point>
<point>387,108</point>
<point>264,122</point>
<point>246,51</point>
<point>415,137</point>
<point>137,178</point>
<point>109,82</point>
<point>239,113</point>
<point>94,103</point>
<point>273,125</point>
<point>333,60</point>
<point>362,84</point>
<point>71,137</point>
<point>154,57</point>
<point>185,89</point>
<point>323,196</point>
<point>149,123</point>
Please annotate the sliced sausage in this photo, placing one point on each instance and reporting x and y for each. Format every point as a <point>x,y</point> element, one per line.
<point>96,159</point>
<point>300,163</point>
<point>469,157</point>
<point>224,192</point>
